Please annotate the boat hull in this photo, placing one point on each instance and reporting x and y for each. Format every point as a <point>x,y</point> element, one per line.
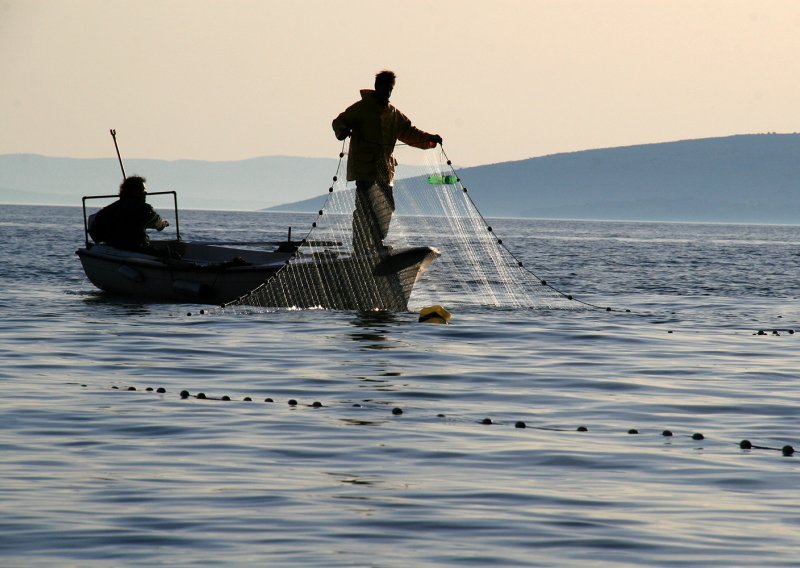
<point>219,275</point>
<point>151,278</point>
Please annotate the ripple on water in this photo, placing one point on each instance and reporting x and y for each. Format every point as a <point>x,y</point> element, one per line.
<point>93,473</point>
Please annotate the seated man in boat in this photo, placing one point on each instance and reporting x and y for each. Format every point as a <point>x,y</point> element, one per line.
<point>123,224</point>
<point>375,126</point>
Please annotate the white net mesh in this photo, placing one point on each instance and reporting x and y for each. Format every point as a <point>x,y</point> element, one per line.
<point>342,265</point>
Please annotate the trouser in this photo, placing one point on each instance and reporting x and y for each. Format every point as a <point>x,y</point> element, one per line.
<point>372,216</point>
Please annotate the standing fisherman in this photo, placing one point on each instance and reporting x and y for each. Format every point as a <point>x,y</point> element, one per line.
<point>375,126</point>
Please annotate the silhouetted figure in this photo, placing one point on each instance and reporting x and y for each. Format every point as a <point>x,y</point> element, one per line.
<point>123,224</point>
<point>375,126</point>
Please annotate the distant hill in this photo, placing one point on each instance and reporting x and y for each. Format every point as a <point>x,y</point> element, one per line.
<point>746,178</point>
<point>753,178</point>
<point>244,185</point>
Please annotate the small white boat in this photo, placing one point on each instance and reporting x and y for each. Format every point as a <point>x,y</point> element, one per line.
<point>307,274</point>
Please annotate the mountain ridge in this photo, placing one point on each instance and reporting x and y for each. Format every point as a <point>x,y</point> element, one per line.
<point>247,184</point>
<point>740,178</point>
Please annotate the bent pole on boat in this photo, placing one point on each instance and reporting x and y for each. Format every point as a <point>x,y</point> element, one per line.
<point>114,136</point>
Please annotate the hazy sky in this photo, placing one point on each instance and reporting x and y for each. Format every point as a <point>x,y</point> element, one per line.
<point>499,80</point>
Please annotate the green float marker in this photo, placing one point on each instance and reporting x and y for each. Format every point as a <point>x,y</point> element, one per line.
<point>442,180</point>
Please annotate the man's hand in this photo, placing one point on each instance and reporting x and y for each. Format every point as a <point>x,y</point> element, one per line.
<point>436,138</point>
<point>342,134</point>
<point>162,225</point>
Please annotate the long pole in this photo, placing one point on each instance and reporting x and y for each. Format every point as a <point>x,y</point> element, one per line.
<point>114,136</point>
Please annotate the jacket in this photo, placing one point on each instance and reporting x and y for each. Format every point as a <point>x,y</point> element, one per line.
<point>122,224</point>
<point>374,131</point>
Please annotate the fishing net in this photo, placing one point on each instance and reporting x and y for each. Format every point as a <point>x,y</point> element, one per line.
<point>342,263</point>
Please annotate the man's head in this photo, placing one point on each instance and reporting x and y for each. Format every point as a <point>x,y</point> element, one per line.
<point>133,187</point>
<point>384,83</point>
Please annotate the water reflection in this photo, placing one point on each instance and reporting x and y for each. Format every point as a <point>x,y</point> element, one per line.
<point>376,326</point>
<point>119,305</point>
<point>354,422</point>
<point>352,478</point>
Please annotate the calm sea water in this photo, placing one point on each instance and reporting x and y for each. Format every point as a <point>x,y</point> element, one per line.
<point>93,473</point>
